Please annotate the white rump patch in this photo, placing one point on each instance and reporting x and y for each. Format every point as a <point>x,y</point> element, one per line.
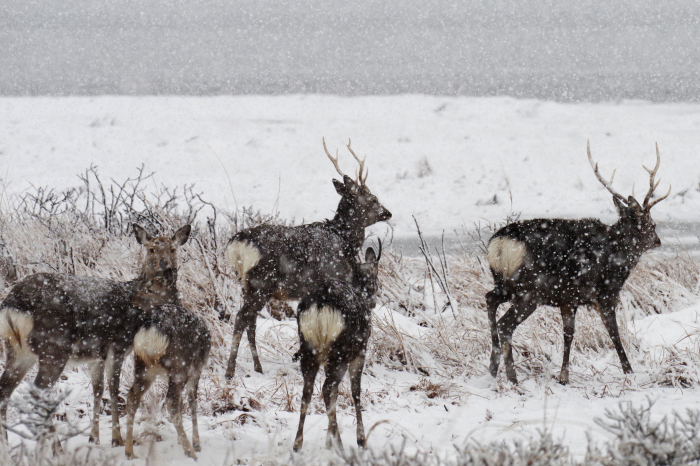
<point>15,327</point>
<point>150,345</point>
<point>506,255</point>
<point>242,257</point>
<point>321,327</point>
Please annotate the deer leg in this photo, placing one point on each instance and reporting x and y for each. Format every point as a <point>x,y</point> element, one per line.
<point>174,402</point>
<point>568,317</point>
<point>356,367</point>
<point>16,367</point>
<point>494,299</point>
<point>97,377</point>
<point>192,395</point>
<point>253,348</point>
<point>519,311</point>
<point>335,370</point>
<point>114,377</point>
<point>142,382</point>
<point>309,369</point>
<point>50,369</point>
<point>253,302</point>
<point>607,313</point>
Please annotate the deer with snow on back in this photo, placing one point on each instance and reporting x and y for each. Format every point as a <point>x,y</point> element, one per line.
<point>567,264</point>
<point>173,343</point>
<point>335,323</point>
<point>54,318</point>
<point>287,262</point>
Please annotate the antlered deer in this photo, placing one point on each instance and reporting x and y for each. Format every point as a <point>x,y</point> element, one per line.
<point>287,262</point>
<point>174,343</point>
<point>567,263</point>
<point>335,323</point>
<point>54,318</point>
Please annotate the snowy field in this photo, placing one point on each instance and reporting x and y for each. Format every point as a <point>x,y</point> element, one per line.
<point>448,162</point>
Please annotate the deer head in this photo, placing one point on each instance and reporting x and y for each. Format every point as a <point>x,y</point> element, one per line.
<point>357,203</point>
<point>634,216</point>
<point>161,251</point>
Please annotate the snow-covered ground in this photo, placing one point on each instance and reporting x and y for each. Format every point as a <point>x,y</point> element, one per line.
<point>447,161</point>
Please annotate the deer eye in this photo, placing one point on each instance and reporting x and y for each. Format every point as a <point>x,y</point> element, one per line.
<point>152,250</point>
<point>149,291</point>
<point>172,250</point>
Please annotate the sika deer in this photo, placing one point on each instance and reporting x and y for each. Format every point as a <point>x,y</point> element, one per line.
<point>335,323</point>
<point>54,318</point>
<point>174,343</point>
<point>568,263</point>
<point>288,262</point>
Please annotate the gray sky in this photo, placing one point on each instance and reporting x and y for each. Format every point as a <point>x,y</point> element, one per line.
<point>562,50</point>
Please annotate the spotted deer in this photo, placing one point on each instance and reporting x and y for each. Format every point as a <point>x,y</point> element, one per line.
<point>56,318</point>
<point>335,323</point>
<point>286,262</point>
<point>567,264</point>
<point>173,343</point>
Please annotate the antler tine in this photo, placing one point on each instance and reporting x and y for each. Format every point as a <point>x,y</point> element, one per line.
<point>361,162</point>
<point>334,160</point>
<point>652,185</point>
<point>607,184</point>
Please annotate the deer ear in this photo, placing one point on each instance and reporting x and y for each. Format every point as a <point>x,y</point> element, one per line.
<point>634,205</point>
<point>339,187</point>
<point>351,186</point>
<point>142,235</point>
<point>182,235</point>
<point>370,255</point>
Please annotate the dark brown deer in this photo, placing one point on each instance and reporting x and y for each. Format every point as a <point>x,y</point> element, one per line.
<point>567,264</point>
<point>54,318</point>
<point>287,262</point>
<point>335,323</point>
<point>174,343</point>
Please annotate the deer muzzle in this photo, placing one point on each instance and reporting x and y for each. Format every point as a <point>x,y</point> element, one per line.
<point>384,215</point>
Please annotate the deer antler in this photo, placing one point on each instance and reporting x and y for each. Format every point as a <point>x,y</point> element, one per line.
<point>607,184</point>
<point>334,160</point>
<point>652,186</point>
<point>359,178</point>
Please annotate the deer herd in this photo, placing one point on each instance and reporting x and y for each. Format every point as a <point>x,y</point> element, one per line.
<point>52,319</point>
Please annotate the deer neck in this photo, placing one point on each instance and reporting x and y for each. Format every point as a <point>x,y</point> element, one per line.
<point>627,241</point>
<point>348,226</point>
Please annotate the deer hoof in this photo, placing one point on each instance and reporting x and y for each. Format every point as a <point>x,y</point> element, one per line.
<point>131,456</point>
<point>117,442</point>
<point>93,439</point>
<point>196,447</point>
<point>190,454</point>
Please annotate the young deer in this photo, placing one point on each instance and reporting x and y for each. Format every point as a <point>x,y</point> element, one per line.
<point>54,318</point>
<point>567,263</point>
<point>335,323</point>
<point>287,262</point>
<point>174,343</point>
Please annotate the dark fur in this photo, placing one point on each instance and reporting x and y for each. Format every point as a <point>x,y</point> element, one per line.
<point>187,352</point>
<point>355,302</point>
<point>294,259</point>
<point>84,318</point>
<point>569,263</point>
